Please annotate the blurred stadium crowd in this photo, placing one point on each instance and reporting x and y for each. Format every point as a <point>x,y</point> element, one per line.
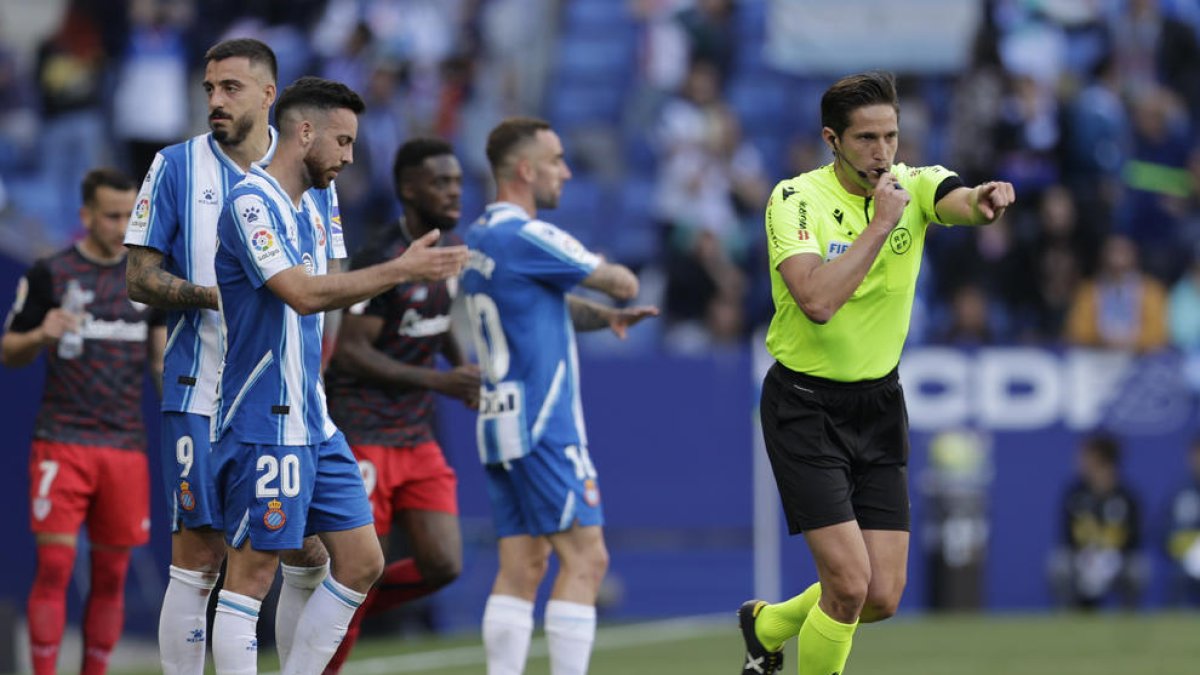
<point>676,128</point>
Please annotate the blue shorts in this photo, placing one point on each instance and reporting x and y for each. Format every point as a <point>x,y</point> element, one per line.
<point>276,495</point>
<point>186,471</point>
<point>544,492</point>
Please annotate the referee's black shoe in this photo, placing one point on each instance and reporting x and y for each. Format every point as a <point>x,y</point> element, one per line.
<point>759,660</point>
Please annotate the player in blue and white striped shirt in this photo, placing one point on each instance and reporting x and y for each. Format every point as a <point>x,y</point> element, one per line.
<point>543,486</point>
<point>172,239</point>
<point>282,468</point>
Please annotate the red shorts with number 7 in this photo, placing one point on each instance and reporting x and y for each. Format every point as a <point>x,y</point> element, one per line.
<point>404,479</point>
<point>108,488</point>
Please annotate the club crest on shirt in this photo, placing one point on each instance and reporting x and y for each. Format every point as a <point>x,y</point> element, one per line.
<point>187,498</point>
<point>274,518</point>
<point>320,227</point>
<point>591,493</point>
<point>900,240</point>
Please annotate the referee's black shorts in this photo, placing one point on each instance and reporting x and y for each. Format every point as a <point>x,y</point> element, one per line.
<point>839,450</point>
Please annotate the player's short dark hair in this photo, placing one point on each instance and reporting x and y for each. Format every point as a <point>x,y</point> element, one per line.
<point>509,135</point>
<point>104,176</point>
<point>319,93</point>
<point>1105,447</point>
<point>413,153</point>
<point>253,50</point>
<point>857,91</point>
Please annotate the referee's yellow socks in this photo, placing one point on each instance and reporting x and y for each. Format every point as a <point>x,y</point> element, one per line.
<point>776,624</point>
<point>824,644</point>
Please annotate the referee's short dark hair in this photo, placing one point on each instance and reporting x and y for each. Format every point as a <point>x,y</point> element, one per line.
<point>257,52</point>
<point>1105,447</point>
<point>413,153</point>
<point>509,135</point>
<point>857,91</point>
<point>104,176</point>
<point>318,93</point>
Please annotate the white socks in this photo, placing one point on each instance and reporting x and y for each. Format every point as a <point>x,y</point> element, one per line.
<point>235,643</point>
<point>298,585</point>
<point>570,632</point>
<point>321,627</point>
<point>507,630</point>
<point>182,624</point>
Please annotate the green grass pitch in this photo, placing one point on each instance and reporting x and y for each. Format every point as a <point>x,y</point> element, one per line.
<point>1042,644</point>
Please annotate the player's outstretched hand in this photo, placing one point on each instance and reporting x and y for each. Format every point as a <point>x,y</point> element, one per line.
<point>992,198</point>
<point>622,319</point>
<point>463,384</point>
<point>890,199</point>
<point>423,260</point>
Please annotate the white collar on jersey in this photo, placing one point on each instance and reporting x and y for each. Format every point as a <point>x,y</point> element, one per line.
<point>508,206</point>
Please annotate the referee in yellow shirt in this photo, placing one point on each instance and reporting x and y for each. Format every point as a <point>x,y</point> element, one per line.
<point>845,246</point>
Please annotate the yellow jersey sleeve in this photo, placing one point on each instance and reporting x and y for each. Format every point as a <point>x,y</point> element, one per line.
<point>787,218</point>
<point>922,183</point>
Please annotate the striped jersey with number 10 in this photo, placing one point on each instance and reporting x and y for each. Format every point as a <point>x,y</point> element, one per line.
<point>515,284</point>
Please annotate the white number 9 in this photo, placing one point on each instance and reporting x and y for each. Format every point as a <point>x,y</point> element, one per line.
<point>185,454</point>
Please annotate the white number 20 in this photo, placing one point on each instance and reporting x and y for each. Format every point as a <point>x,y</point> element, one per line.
<point>288,475</point>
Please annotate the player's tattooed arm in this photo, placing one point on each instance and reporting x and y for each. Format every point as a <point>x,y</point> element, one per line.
<point>587,315</point>
<point>615,281</point>
<point>149,283</point>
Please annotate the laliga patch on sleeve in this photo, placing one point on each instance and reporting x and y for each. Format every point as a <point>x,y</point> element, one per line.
<point>140,220</point>
<point>556,239</point>
<point>253,218</point>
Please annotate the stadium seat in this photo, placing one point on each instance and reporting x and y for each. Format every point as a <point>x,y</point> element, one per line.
<point>761,103</point>
<point>583,210</point>
<point>587,16</point>
<point>574,105</point>
<point>599,59</point>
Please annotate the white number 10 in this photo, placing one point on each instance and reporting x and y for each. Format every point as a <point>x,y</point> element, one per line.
<point>490,342</point>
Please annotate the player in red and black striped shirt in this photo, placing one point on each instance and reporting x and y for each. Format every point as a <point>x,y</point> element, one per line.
<point>89,461</point>
<point>381,387</point>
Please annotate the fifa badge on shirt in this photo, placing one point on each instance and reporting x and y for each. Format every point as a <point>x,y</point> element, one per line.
<point>591,493</point>
<point>274,518</point>
<point>187,498</point>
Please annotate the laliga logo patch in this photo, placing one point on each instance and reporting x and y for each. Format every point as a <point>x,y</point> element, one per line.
<point>591,493</point>
<point>309,267</point>
<point>262,240</point>
<point>141,214</point>
<point>41,508</point>
<point>187,499</point>
<point>274,518</point>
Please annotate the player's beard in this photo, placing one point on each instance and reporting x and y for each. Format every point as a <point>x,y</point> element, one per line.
<point>547,199</point>
<point>436,219</point>
<point>238,131</point>
<point>318,174</point>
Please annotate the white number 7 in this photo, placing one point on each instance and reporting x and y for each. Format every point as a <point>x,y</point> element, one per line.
<point>49,469</point>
